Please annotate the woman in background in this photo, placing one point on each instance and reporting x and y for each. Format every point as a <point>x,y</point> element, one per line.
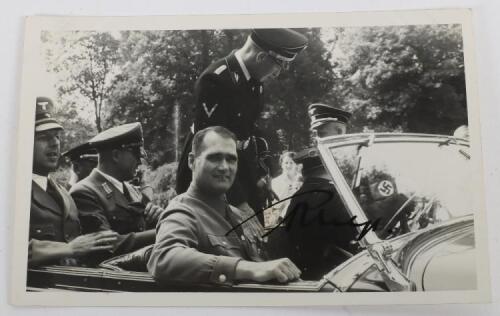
<point>286,184</point>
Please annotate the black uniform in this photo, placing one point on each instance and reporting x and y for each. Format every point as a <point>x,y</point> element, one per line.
<point>316,233</point>
<point>226,98</point>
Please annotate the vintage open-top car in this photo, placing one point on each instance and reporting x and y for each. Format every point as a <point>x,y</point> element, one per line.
<point>417,187</point>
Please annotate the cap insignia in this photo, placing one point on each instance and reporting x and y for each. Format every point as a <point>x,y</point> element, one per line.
<point>43,105</point>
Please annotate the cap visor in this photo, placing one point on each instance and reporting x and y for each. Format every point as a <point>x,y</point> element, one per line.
<point>47,126</point>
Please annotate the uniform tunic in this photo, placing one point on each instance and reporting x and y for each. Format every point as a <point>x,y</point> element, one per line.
<point>225,97</point>
<point>193,245</point>
<point>103,207</point>
<point>53,217</point>
<point>317,233</point>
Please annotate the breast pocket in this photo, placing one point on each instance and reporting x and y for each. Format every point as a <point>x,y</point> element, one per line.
<point>124,221</point>
<point>225,245</point>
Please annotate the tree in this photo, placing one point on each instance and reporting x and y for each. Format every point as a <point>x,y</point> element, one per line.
<point>406,78</point>
<point>310,79</point>
<point>84,62</point>
<point>158,71</point>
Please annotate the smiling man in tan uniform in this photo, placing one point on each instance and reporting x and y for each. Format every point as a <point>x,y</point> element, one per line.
<point>199,237</point>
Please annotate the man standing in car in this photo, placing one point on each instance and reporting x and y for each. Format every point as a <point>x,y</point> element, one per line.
<point>229,93</point>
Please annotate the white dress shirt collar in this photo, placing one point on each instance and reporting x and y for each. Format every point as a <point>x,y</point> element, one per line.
<point>237,54</point>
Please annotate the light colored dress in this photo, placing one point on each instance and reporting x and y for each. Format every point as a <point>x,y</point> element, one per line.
<point>284,188</point>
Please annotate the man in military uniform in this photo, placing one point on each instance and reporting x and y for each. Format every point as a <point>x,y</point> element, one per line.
<point>83,160</point>
<point>105,199</point>
<point>316,234</point>
<point>54,232</point>
<point>229,93</point>
<point>201,238</point>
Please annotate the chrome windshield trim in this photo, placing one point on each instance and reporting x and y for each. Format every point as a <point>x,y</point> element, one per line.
<point>353,207</point>
<point>346,194</point>
<point>379,250</point>
<point>351,139</point>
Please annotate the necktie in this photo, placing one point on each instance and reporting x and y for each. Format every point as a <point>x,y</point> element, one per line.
<point>52,191</point>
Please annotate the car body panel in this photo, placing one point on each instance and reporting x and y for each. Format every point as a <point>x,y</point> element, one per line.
<point>56,278</point>
<point>442,258</point>
<point>437,258</point>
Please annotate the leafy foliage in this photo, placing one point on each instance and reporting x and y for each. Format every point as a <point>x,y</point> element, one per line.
<point>407,78</point>
<point>310,79</point>
<point>84,62</point>
<point>395,78</point>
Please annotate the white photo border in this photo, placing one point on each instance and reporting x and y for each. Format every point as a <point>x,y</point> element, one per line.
<point>32,60</point>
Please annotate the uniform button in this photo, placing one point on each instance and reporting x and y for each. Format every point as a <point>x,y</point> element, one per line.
<point>141,229</point>
<point>114,217</point>
<point>239,114</point>
<point>38,230</point>
<point>222,278</point>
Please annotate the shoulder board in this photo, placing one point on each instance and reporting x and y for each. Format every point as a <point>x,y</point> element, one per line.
<point>219,70</point>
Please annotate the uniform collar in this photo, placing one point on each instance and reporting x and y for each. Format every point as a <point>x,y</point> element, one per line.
<point>41,181</point>
<point>243,67</point>
<point>113,180</point>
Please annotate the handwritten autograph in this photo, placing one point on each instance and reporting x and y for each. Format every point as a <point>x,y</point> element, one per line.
<point>306,220</point>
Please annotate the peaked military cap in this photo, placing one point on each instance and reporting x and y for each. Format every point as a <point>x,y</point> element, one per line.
<point>319,110</point>
<point>82,151</point>
<point>309,158</point>
<point>321,114</point>
<point>43,120</point>
<point>283,44</point>
<point>122,136</point>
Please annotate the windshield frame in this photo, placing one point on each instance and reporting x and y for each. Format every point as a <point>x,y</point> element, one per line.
<point>326,144</point>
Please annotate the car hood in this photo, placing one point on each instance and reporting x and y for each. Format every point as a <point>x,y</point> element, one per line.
<point>441,257</point>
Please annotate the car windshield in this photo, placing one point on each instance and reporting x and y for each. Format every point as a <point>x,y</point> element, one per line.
<point>407,186</point>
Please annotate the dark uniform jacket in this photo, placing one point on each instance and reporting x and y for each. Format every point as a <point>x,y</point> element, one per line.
<point>316,234</point>
<point>195,243</point>
<point>103,207</point>
<point>53,215</point>
<point>226,98</point>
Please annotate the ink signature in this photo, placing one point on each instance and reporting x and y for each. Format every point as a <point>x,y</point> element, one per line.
<point>304,206</point>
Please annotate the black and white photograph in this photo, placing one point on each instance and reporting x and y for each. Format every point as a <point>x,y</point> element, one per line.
<point>279,155</point>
